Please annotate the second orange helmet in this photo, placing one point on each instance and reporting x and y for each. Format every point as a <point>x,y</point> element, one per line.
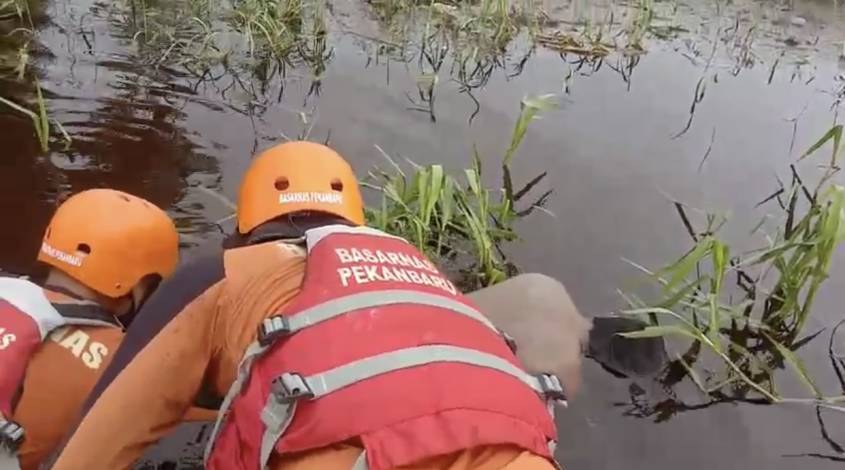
<point>295,177</point>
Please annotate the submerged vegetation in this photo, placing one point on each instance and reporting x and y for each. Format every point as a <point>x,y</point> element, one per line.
<point>749,311</point>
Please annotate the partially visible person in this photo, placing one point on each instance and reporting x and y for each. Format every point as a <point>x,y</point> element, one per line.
<point>367,356</point>
<point>107,251</point>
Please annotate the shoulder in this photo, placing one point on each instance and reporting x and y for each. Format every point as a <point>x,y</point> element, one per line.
<point>243,266</point>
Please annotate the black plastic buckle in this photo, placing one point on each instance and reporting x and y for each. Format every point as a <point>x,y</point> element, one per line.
<point>290,387</point>
<point>11,434</point>
<point>272,328</point>
<point>510,341</point>
<point>551,388</point>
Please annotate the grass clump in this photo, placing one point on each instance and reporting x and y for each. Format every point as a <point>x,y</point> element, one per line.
<point>40,119</point>
<point>19,11</point>
<point>749,311</point>
<point>272,25</point>
<point>486,26</point>
<point>459,222</point>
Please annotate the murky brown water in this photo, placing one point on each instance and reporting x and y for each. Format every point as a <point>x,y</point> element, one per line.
<point>609,151</point>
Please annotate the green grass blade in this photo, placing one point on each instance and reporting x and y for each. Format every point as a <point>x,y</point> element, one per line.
<point>660,332</point>
<point>680,270</point>
<point>796,363</point>
<point>835,134</point>
<point>19,108</point>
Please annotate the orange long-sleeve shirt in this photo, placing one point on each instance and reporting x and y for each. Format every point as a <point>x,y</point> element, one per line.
<point>200,348</point>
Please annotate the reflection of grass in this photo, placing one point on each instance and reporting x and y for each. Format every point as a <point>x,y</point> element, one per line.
<point>757,326</point>
<point>452,220</point>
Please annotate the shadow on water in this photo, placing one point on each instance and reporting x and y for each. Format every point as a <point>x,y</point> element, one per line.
<point>706,108</point>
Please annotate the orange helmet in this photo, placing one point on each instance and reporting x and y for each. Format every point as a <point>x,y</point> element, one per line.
<point>298,176</point>
<point>109,240</point>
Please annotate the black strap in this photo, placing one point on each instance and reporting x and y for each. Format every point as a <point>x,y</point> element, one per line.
<point>86,311</point>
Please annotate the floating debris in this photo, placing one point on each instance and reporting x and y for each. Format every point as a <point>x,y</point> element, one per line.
<point>798,21</point>
<point>562,42</point>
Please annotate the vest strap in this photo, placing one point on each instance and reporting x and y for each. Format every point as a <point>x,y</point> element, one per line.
<point>29,297</point>
<point>253,352</point>
<point>278,326</point>
<point>11,435</point>
<point>290,387</point>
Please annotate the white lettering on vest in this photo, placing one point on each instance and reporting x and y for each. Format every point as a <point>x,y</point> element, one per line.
<point>364,273</point>
<point>79,343</point>
<point>344,274</point>
<point>93,358</point>
<point>60,255</point>
<point>354,255</point>
<point>343,255</point>
<point>359,274</point>
<point>388,266</point>
<point>323,198</point>
<point>6,339</point>
<point>75,342</point>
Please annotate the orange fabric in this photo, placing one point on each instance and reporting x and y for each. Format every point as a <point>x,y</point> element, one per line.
<point>204,344</point>
<point>109,240</point>
<point>343,456</point>
<point>59,377</point>
<point>294,177</point>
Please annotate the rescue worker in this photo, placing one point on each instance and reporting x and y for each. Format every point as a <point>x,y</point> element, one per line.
<point>106,252</point>
<point>332,346</point>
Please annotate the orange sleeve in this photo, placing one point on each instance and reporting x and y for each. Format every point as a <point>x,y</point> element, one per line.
<point>150,396</point>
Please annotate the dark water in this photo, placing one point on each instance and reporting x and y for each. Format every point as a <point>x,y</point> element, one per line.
<point>143,125</point>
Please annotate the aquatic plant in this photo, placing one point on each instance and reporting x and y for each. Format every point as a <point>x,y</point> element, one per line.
<point>487,26</point>
<point>459,223</point>
<point>272,25</point>
<point>749,310</point>
<point>40,119</point>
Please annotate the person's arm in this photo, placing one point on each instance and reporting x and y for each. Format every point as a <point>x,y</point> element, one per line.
<point>190,280</point>
<point>150,396</point>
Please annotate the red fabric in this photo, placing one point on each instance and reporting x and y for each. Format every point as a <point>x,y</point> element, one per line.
<point>400,417</point>
<point>19,339</point>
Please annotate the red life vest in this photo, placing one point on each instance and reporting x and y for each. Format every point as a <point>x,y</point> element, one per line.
<point>26,318</point>
<point>380,347</point>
